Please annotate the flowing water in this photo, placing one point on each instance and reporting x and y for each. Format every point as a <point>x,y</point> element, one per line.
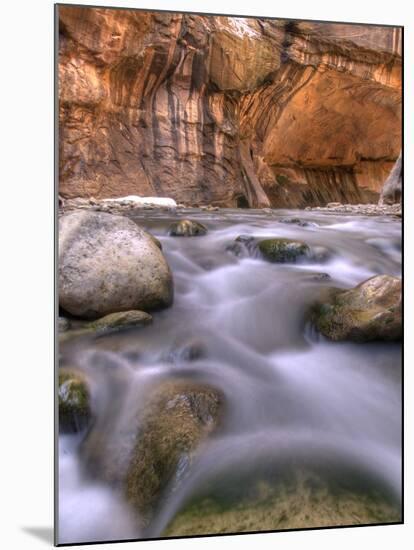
<point>289,393</point>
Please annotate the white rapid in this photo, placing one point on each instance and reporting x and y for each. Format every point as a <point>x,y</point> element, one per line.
<point>288,392</point>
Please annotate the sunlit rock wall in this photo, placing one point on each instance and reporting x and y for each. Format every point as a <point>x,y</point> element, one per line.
<point>227,111</point>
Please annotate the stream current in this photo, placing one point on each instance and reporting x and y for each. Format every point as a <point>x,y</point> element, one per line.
<point>289,393</point>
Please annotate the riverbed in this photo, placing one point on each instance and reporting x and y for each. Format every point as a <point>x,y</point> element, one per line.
<point>294,401</point>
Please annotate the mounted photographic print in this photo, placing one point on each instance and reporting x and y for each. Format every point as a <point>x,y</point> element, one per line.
<point>229,263</point>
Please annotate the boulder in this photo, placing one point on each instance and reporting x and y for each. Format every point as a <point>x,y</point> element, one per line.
<point>178,417</point>
<point>148,455</point>
<point>187,228</point>
<point>74,401</point>
<point>237,503</point>
<point>108,264</point>
<point>370,311</point>
<point>283,250</point>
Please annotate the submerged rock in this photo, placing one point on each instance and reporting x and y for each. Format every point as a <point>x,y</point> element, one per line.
<point>75,334</point>
<point>299,222</point>
<point>243,245</point>
<point>296,500</point>
<point>108,264</point>
<point>187,350</point>
<point>121,320</point>
<point>74,401</point>
<point>178,417</point>
<point>370,311</point>
<point>187,228</point>
<point>109,323</point>
<point>151,451</point>
<point>283,250</point>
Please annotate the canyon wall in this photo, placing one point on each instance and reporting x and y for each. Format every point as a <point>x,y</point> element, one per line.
<point>227,111</point>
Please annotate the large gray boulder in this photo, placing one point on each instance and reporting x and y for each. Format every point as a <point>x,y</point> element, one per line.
<point>108,264</point>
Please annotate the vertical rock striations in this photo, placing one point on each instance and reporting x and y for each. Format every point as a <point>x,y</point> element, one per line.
<point>392,190</point>
<point>230,111</point>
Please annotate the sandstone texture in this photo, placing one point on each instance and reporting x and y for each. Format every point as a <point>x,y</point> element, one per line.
<point>226,111</point>
<point>107,264</point>
<point>392,190</point>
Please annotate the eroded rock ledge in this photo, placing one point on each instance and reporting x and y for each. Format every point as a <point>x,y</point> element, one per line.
<point>226,111</point>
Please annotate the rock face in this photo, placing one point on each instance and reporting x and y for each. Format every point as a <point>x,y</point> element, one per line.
<point>108,264</point>
<point>370,311</point>
<point>227,111</point>
<point>392,190</point>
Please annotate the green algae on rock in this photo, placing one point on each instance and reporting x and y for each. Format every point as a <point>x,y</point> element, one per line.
<point>370,311</point>
<point>283,250</point>
<point>187,228</point>
<point>74,401</point>
<point>121,320</point>
<point>303,499</point>
<point>178,417</point>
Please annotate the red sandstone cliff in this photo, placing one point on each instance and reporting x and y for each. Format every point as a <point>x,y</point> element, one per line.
<point>227,111</point>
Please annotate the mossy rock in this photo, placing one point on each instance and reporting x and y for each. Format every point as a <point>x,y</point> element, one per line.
<point>179,415</point>
<point>121,320</point>
<point>370,311</point>
<point>63,324</point>
<point>301,500</point>
<point>283,250</point>
<point>187,228</point>
<point>112,322</point>
<point>74,401</point>
<point>75,333</point>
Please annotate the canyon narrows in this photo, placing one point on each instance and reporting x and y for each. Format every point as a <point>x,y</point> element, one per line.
<point>229,275</point>
<point>227,111</point>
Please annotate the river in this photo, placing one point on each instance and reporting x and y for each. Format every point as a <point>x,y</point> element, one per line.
<point>289,392</point>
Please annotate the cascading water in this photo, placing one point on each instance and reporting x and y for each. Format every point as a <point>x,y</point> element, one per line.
<point>290,395</point>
